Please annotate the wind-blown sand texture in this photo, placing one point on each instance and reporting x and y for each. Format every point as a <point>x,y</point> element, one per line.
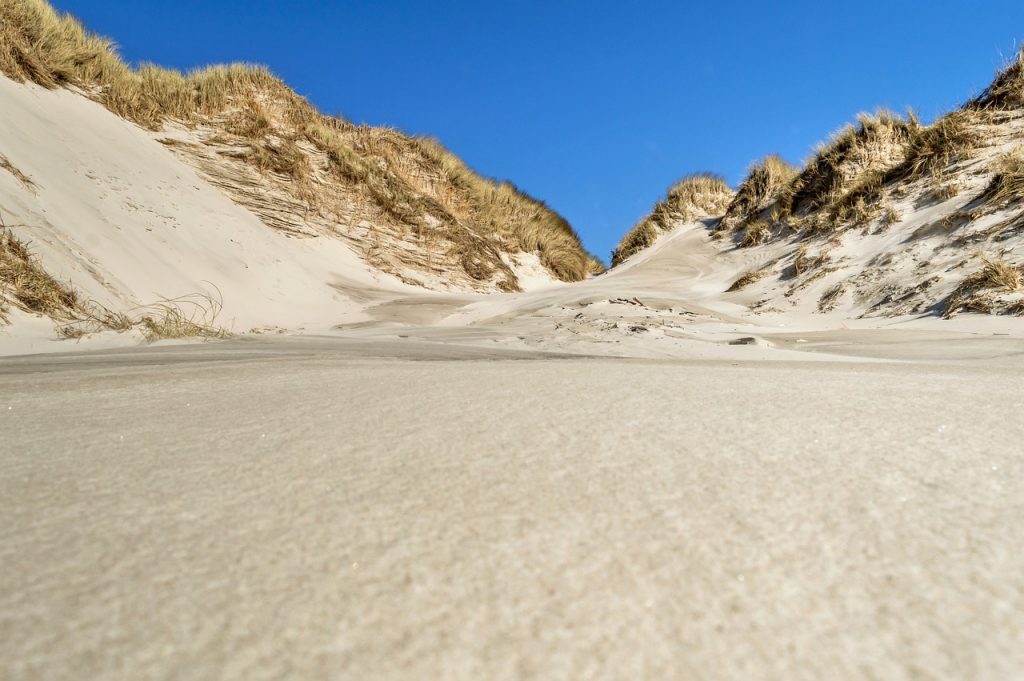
<point>322,508</point>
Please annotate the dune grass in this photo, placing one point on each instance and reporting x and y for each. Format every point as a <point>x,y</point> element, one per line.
<point>980,291</point>
<point>762,185</point>
<point>1007,89</point>
<point>26,284</point>
<point>890,216</point>
<point>755,233</point>
<point>748,278</point>
<point>40,45</point>
<point>934,148</point>
<point>804,262</point>
<point>840,164</point>
<point>21,177</point>
<point>694,196</point>
<point>1007,184</point>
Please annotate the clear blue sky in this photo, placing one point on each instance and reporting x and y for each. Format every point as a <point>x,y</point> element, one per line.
<point>595,107</point>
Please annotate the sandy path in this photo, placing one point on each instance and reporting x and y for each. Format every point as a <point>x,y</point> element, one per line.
<point>306,509</point>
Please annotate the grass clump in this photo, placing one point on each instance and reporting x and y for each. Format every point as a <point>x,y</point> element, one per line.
<point>981,291</point>
<point>27,284</point>
<point>804,261</point>
<point>859,204</point>
<point>188,317</point>
<point>764,182</point>
<point>934,148</point>
<point>282,157</point>
<point>890,216</point>
<point>874,144</point>
<point>693,197</point>
<point>830,298</point>
<point>21,177</point>
<point>756,233</point>
<point>748,278</point>
<point>1007,185</point>
<point>1006,90</point>
<point>943,189</point>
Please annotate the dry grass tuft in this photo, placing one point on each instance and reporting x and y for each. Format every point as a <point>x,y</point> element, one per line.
<point>934,148</point>
<point>251,121</point>
<point>755,234</point>
<point>943,189</point>
<point>804,262</point>
<point>859,204</point>
<point>21,177</point>
<point>890,216</point>
<point>1007,185</point>
<point>876,143</point>
<point>748,278</point>
<point>26,283</point>
<point>1006,91</point>
<point>830,298</point>
<point>280,156</point>
<point>693,197</point>
<point>764,183</point>
<point>979,292</point>
<point>189,317</point>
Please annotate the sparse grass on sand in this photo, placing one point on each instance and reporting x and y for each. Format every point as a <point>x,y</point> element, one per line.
<point>473,217</point>
<point>693,197</point>
<point>748,278</point>
<point>186,317</point>
<point>890,217</point>
<point>830,298</point>
<point>981,291</point>
<point>1007,184</point>
<point>21,177</point>
<point>756,233</point>
<point>25,284</point>
<point>804,261</point>
<point>943,189</point>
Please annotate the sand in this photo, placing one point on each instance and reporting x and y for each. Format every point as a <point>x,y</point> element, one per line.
<point>323,508</point>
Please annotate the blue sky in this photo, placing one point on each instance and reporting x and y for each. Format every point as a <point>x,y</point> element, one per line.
<point>595,107</point>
